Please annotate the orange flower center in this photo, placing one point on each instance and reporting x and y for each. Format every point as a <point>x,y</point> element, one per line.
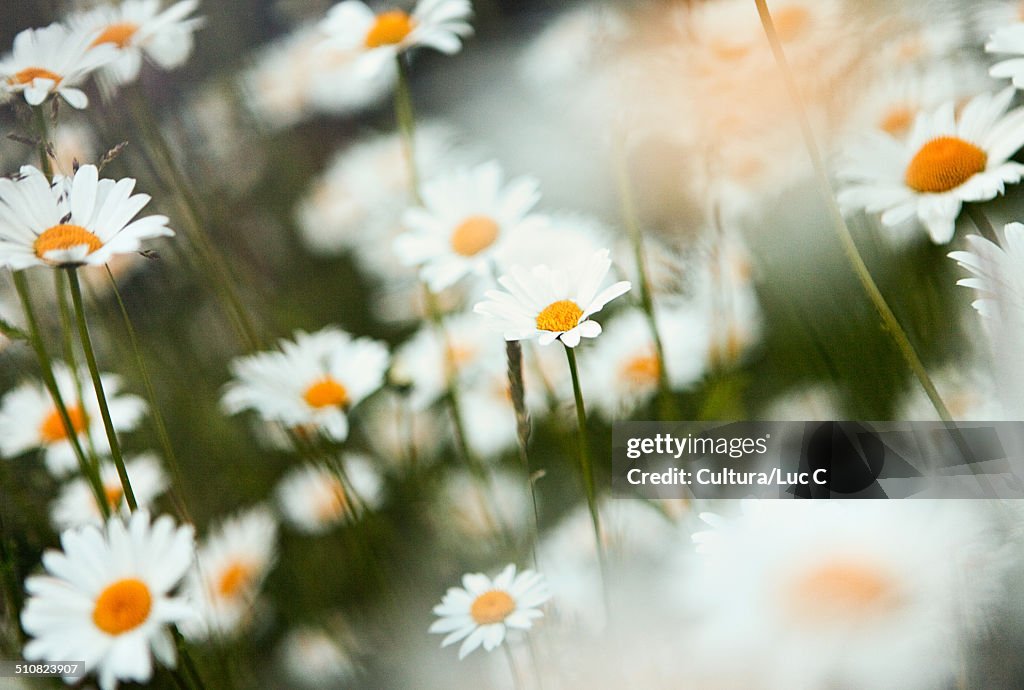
<point>643,370</point>
<point>898,120</point>
<point>563,315</point>
<point>123,606</point>
<point>474,235</point>
<point>65,236</point>
<point>492,607</point>
<point>790,22</point>
<point>843,588</point>
<point>119,34</point>
<point>943,164</point>
<point>30,74</point>
<point>53,429</point>
<point>389,29</point>
<point>326,393</point>
<point>114,494</point>
<point>234,580</point>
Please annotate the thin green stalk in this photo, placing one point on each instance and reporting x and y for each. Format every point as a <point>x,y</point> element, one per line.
<point>405,116</point>
<point>517,683</point>
<point>586,466</point>
<point>889,320</point>
<point>67,337</point>
<point>983,224</point>
<point>101,396</point>
<point>158,419</point>
<point>87,469</point>
<point>630,219</point>
<point>517,389</point>
<point>191,671</point>
<point>42,129</point>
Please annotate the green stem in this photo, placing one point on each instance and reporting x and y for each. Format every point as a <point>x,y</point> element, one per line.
<point>405,116</point>
<point>49,380</point>
<point>101,397</point>
<point>586,466</point>
<point>42,129</point>
<point>517,388</point>
<point>67,337</point>
<point>889,320</point>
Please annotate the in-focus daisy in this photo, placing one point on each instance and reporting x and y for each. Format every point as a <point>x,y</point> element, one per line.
<point>74,221</point>
<point>549,304</point>
<point>313,381</point>
<point>482,611</point>
<point>231,564</point>
<point>1008,40</point>
<point>138,29</point>
<point>437,24</point>
<point>313,498</point>
<point>52,60</point>
<point>463,222</point>
<point>76,504</point>
<point>946,161</point>
<point>107,598</point>
<point>29,418</point>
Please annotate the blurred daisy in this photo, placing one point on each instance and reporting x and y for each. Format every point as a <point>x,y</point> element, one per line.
<point>945,162</point>
<point>995,269</point>
<point>313,498</point>
<point>478,511</point>
<point>231,564</point>
<point>76,504</point>
<point>488,416</point>
<point>106,598</point>
<point>882,590</point>
<point>400,434</point>
<point>463,223</point>
<point>313,381</point>
<point>549,305</point>
<point>437,24</point>
<point>483,610</point>
<point>140,29</point>
<point>52,60</point>
<point>1008,40</point>
<point>29,419</point>
<point>315,659</point>
<point>74,221</point>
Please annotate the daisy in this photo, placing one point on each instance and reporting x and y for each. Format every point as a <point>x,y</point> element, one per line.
<point>313,381</point>
<point>313,498</point>
<point>400,434</point>
<point>231,564</point>
<point>483,610</point>
<point>140,29</point>
<point>52,60</point>
<point>437,24</point>
<point>29,419</point>
<point>106,598</point>
<point>463,221</point>
<point>474,512</point>
<point>76,221</point>
<point>315,659</point>
<point>996,277</point>
<point>549,305</point>
<point>488,415</point>
<point>76,504</point>
<point>945,162</point>
<point>1008,40</point>
<point>881,593</point>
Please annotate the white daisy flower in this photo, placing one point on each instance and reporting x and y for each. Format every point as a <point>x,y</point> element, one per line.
<point>106,598</point>
<point>29,419</point>
<point>881,592</point>
<point>315,659</point>
<point>473,512</point>
<point>945,162</point>
<point>231,565</point>
<point>140,29</point>
<point>1008,40</point>
<point>74,221</point>
<point>313,498</point>
<point>402,435</point>
<point>549,304</point>
<point>995,269</point>
<point>437,24</point>
<point>313,381</point>
<point>483,610</point>
<point>488,415</point>
<point>463,222</point>
<point>76,504</point>
<point>52,60</point>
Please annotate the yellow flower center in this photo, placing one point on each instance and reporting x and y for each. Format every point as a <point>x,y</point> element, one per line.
<point>843,588</point>
<point>119,34</point>
<point>234,580</point>
<point>943,164</point>
<point>52,429</point>
<point>29,74</point>
<point>123,606</point>
<point>326,393</point>
<point>563,315</point>
<point>65,236</point>
<point>729,51</point>
<point>643,370</point>
<point>492,607</point>
<point>790,22</point>
<point>474,235</point>
<point>389,29</point>
<point>114,494</point>
<point>898,120</point>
